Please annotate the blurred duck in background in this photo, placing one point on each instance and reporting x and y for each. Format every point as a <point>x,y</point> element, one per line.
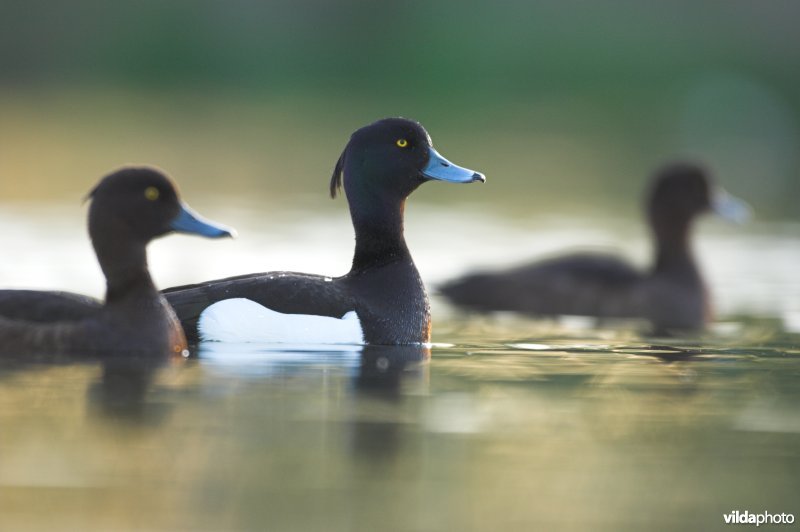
<point>129,208</point>
<point>671,294</point>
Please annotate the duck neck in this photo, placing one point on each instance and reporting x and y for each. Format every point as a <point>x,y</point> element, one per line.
<point>673,253</point>
<point>124,263</point>
<point>379,234</point>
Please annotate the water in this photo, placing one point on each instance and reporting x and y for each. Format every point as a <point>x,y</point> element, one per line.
<point>505,423</point>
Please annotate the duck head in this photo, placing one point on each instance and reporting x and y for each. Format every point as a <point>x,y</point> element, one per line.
<point>141,204</point>
<point>390,158</point>
<point>131,207</point>
<point>681,191</point>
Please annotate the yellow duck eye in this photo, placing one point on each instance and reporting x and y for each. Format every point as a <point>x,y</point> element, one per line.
<point>402,143</point>
<point>151,193</point>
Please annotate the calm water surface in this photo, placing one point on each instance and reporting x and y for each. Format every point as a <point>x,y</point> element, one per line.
<point>505,423</point>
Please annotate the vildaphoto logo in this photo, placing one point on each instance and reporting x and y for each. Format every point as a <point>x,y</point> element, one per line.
<point>764,518</point>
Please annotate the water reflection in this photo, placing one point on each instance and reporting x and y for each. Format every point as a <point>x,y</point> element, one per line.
<point>399,438</point>
<point>373,367</point>
<point>370,387</point>
<point>383,368</point>
<point>388,377</point>
<point>120,391</point>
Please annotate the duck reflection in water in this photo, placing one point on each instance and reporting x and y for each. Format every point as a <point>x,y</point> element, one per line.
<point>384,367</point>
<point>376,380</point>
<point>381,368</point>
<point>125,389</point>
<point>118,388</point>
<point>378,431</point>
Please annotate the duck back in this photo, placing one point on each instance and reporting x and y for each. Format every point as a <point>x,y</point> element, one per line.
<point>45,307</point>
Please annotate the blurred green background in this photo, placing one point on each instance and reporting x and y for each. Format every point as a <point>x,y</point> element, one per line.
<point>567,106</point>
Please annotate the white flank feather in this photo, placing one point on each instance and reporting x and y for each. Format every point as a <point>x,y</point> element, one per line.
<point>243,320</point>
